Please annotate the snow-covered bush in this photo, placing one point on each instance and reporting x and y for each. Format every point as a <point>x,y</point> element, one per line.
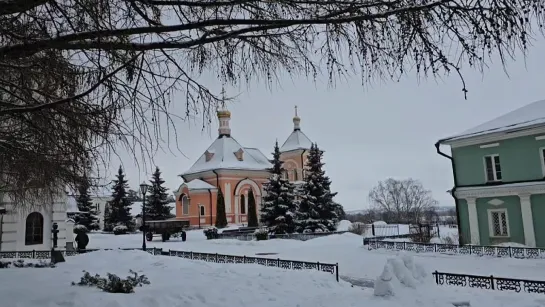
<point>120,230</point>
<point>80,229</point>
<point>358,228</point>
<point>400,271</point>
<point>451,238</point>
<point>211,233</point>
<point>113,283</point>
<point>20,263</point>
<point>261,234</point>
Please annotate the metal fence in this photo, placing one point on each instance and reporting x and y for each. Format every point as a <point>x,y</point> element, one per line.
<point>293,236</point>
<point>209,257</point>
<point>490,282</point>
<point>478,250</point>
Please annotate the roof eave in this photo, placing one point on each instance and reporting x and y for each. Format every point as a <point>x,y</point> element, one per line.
<point>492,136</point>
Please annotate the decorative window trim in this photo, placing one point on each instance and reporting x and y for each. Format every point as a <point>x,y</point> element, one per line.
<point>495,172</point>
<point>202,210</point>
<point>491,224</point>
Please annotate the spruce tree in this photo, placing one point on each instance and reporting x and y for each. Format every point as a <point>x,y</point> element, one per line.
<point>221,218</point>
<point>157,207</point>
<point>252,210</point>
<point>120,205</point>
<point>87,215</point>
<point>317,209</point>
<point>278,209</point>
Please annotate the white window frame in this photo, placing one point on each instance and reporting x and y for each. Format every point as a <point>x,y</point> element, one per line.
<point>542,157</point>
<point>183,209</point>
<point>491,223</point>
<point>495,173</point>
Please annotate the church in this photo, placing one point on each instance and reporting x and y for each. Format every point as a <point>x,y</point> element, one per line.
<point>235,169</point>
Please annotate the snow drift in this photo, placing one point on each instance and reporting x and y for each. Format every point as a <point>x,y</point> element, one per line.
<point>401,271</point>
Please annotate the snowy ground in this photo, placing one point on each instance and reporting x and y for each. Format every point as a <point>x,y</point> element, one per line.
<point>354,259</point>
<point>177,282</point>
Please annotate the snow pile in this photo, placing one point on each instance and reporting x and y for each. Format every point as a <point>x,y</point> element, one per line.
<point>380,223</point>
<point>344,225</point>
<point>398,272</point>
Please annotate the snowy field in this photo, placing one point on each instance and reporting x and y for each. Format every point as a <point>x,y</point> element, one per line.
<point>355,260</point>
<point>176,282</point>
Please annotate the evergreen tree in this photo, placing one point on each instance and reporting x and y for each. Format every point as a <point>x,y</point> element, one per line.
<point>278,210</point>
<point>120,205</point>
<point>108,226</point>
<point>317,209</point>
<point>221,218</point>
<point>252,210</point>
<point>87,215</point>
<point>157,207</point>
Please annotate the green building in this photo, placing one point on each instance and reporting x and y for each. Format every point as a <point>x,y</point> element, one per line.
<point>499,178</point>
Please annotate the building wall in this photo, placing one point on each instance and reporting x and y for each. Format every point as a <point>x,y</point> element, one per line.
<point>13,226</point>
<point>514,217</point>
<point>520,160</point>
<point>292,161</point>
<point>538,213</point>
<point>463,222</point>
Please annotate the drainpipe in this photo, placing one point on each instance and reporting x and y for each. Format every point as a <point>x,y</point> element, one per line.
<point>210,195</point>
<point>452,192</point>
<point>2,212</point>
<point>302,165</point>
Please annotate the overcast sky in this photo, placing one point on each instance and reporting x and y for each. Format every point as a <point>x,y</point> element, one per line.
<point>368,134</point>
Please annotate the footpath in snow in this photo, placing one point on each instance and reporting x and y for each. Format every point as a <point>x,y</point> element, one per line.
<point>177,282</point>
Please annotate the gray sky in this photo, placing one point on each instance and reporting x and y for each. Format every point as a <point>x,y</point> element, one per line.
<point>385,130</point>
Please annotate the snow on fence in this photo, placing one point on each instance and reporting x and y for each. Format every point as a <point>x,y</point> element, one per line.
<point>293,236</point>
<point>478,250</point>
<point>490,282</point>
<point>209,257</point>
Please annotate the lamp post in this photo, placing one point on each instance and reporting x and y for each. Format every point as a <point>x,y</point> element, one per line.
<point>144,189</point>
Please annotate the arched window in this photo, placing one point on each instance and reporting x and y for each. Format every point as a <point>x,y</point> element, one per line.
<point>242,204</point>
<point>34,233</point>
<point>285,174</point>
<point>202,210</point>
<point>295,175</point>
<point>185,205</point>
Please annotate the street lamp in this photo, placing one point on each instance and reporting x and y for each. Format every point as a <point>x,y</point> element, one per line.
<point>144,189</point>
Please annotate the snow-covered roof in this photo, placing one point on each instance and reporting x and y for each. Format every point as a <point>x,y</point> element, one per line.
<point>197,184</point>
<point>523,118</point>
<point>223,156</point>
<point>296,140</point>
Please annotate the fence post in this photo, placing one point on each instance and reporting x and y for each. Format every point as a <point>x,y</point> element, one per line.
<point>438,233</point>
<point>244,258</point>
<point>318,265</point>
<point>492,282</point>
<point>436,276</point>
<point>510,256</point>
<point>191,253</point>
<point>216,257</point>
<point>337,271</point>
<point>373,229</point>
<point>278,262</point>
<point>33,254</point>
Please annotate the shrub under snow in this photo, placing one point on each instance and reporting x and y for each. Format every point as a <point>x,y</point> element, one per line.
<point>20,263</point>
<point>113,283</point>
<point>80,229</point>
<point>120,230</point>
<point>398,272</point>
<point>261,234</point>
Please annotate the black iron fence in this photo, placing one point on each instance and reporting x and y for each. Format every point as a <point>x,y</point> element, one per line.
<point>490,282</point>
<point>478,250</point>
<point>292,236</point>
<point>209,257</point>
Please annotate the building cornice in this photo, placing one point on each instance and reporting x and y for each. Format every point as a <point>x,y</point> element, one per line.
<point>513,189</point>
<point>495,137</point>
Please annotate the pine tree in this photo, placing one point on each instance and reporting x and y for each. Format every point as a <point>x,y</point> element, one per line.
<point>157,207</point>
<point>278,209</point>
<point>120,205</point>
<point>88,216</point>
<point>221,218</point>
<point>108,226</point>
<point>317,209</point>
<point>252,210</point>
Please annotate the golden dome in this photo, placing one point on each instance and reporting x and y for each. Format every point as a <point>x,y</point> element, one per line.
<point>296,118</point>
<point>224,113</point>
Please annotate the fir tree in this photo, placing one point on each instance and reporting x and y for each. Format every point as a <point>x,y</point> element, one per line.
<point>221,218</point>
<point>157,207</point>
<point>120,205</point>
<point>87,215</point>
<point>317,209</point>
<point>278,209</point>
<point>108,226</point>
<point>252,210</point>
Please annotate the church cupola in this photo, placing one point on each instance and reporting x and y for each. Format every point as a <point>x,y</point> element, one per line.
<point>296,121</point>
<point>224,116</point>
